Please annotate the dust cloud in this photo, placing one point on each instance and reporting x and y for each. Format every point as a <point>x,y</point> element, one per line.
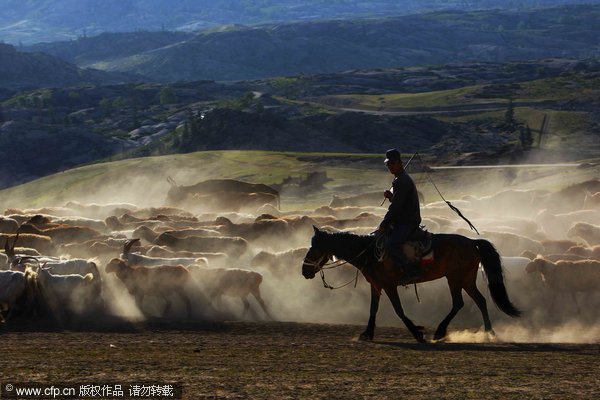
<point>517,210</point>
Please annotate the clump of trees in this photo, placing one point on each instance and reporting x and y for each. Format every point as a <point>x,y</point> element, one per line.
<point>511,125</point>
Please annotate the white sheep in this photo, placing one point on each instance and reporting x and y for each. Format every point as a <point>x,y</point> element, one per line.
<point>66,294</point>
<point>231,282</point>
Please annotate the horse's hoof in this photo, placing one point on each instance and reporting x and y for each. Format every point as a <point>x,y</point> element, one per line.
<point>365,337</point>
<point>439,335</point>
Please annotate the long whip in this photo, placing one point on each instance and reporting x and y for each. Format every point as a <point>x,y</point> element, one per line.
<point>452,207</point>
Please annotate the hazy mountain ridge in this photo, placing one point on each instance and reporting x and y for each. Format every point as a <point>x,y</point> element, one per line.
<point>88,50</point>
<point>51,20</point>
<point>240,53</point>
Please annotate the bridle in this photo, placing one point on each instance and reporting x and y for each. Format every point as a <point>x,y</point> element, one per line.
<point>318,267</point>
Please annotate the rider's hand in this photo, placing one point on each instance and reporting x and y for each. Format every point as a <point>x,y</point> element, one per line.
<point>388,194</point>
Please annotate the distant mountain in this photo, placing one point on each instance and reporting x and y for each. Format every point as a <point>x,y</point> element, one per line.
<point>238,52</point>
<point>32,70</point>
<point>36,21</point>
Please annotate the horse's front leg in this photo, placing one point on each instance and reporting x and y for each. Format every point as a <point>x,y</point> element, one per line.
<point>417,331</point>
<point>369,332</point>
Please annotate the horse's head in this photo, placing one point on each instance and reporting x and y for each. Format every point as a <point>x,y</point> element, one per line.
<point>316,257</point>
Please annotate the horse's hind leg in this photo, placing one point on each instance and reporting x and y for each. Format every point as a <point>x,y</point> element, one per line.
<point>457,304</point>
<point>478,298</point>
<point>417,331</point>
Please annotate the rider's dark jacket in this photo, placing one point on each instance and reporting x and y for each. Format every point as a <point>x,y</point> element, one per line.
<point>404,208</point>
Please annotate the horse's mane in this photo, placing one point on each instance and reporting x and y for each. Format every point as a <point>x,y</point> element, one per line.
<point>347,238</point>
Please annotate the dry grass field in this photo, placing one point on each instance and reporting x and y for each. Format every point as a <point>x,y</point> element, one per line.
<point>243,360</point>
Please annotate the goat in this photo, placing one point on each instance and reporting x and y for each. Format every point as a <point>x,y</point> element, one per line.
<point>231,282</point>
<point>67,293</point>
<point>508,244</point>
<point>8,225</point>
<point>43,244</point>
<point>59,267</point>
<point>13,286</point>
<point>47,221</point>
<point>63,233</point>
<point>279,262</point>
<point>587,252</point>
<point>591,200</point>
<point>360,200</point>
<point>134,259</point>
<point>557,246</point>
<point>234,246</point>
<point>588,232</point>
<point>161,280</point>
<point>214,259</point>
<point>556,225</point>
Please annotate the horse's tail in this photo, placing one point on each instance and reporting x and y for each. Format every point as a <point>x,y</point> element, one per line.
<point>490,259</point>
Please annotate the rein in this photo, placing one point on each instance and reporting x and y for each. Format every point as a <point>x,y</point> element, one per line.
<point>337,264</point>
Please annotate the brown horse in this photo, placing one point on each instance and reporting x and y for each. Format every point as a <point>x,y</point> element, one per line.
<point>455,257</point>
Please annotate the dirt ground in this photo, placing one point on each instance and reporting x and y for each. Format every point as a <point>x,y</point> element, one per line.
<point>277,360</point>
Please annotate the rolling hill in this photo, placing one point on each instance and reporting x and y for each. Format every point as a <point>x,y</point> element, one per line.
<point>30,70</point>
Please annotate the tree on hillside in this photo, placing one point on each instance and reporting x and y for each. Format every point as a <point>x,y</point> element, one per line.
<point>526,137</point>
<point>167,95</point>
<point>509,117</point>
<point>135,122</point>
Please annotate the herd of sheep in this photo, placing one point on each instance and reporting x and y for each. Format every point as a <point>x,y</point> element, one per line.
<point>58,262</point>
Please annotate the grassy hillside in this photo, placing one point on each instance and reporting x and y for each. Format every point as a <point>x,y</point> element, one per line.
<point>143,181</point>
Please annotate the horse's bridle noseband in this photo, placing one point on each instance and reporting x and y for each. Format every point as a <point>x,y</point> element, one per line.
<point>318,264</point>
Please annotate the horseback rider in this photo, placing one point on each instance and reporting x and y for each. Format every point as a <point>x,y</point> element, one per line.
<point>403,216</point>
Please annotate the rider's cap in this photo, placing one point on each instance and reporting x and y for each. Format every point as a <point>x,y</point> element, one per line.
<point>392,155</point>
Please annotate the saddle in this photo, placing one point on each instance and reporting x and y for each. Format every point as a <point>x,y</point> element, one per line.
<point>418,248</point>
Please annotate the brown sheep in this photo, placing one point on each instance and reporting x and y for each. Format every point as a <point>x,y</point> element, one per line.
<point>233,282</point>
<point>163,281</point>
<point>63,233</point>
<point>41,243</point>
<point>281,262</point>
<point>233,246</point>
<point>567,276</point>
<point>588,232</point>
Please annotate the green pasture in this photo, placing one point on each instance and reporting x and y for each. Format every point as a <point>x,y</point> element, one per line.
<point>396,101</point>
<point>143,181</point>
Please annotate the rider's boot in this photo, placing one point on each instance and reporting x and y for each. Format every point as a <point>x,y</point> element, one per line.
<point>412,271</point>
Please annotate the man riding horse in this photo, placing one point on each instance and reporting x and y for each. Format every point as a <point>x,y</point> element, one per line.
<point>403,216</point>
